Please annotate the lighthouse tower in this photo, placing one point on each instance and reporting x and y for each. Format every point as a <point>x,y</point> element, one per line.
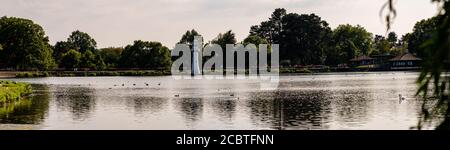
<point>196,46</point>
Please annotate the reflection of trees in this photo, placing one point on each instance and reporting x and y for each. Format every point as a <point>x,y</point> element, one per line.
<point>264,110</point>
<point>304,109</point>
<point>300,109</point>
<point>351,106</point>
<point>191,107</point>
<point>79,101</point>
<point>224,108</point>
<point>30,110</point>
<point>148,104</point>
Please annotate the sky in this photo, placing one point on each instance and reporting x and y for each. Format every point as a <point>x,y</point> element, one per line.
<point>119,22</point>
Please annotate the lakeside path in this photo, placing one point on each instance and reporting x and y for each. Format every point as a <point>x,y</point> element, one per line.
<point>7,74</point>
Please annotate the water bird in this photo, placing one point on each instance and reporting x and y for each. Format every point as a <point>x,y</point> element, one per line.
<point>232,95</point>
<point>134,84</point>
<point>123,84</point>
<point>177,95</point>
<point>146,84</point>
<point>401,98</point>
<point>115,85</point>
<point>159,83</point>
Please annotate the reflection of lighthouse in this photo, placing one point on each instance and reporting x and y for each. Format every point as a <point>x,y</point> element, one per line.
<point>196,46</point>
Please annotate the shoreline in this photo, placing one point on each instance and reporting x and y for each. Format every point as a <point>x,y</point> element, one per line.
<point>11,91</point>
<point>149,73</point>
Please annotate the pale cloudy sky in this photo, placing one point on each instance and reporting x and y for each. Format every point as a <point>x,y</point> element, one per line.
<point>120,22</point>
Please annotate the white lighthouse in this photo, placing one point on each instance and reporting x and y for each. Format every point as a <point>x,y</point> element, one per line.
<point>196,46</point>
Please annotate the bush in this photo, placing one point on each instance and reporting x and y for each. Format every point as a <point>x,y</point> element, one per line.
<point>10,90</point>
<point>32,74</point>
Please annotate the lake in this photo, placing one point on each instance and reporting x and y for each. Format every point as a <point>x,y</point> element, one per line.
<point>321,101</point>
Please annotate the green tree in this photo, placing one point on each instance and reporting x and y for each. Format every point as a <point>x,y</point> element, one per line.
<point>61,48</point>
<point>91,60</point>
<point>271,29</point>
<point>111,55</point>
<point>254,39</point>
<point>423,31</point>
<point>222,40</point>
<point>304,39</point>
<point>392,38</point>
<point>81,41</point>
<point>25,45</point>
<point>381,46</point>
<point>86,45</point>
<point>351,41</point>
<point>70,59</point>
<point>226,38</point>
<point>188,37</point>
<point>143,54</point>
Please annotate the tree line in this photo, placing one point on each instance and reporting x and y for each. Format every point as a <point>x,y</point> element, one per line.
<point>304,39</point>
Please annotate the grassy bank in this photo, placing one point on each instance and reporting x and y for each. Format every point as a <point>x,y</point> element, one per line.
<point>90,73</point>
<point>11,91</point>
<point>295,70</point>
<point>33,74</point>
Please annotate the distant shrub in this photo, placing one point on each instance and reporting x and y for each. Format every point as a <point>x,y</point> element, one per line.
<point>10,90</point>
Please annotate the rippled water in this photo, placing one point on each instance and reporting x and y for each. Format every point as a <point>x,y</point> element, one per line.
<point>325,101</point>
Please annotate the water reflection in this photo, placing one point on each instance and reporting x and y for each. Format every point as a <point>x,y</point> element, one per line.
<point>264,110</point>
<point>330,101</point>
<point>142,105</point>
<point>352,107</point>
<point>225,109</point>
<point>191,108</point>
<point>30,110</point>
<point>304,109</point>
<point>79,101</point>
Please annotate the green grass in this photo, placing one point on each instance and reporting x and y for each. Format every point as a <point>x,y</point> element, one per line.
<point>13,91</point>
<point>295,70</point>
<point>32,74</point>
<point>91,73</point>
<point>13,106</point>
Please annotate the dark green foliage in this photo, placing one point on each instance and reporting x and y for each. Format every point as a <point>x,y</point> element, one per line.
<point>303,38</point>
<point>71,59</point>
<point>422,32</point>
<point>82,43</point>
<point>392,38</point>
<point>111,56</point>
<point>271,29</point>
<point>92,60</point>
<point>32,74</point>
<point>351,41</point>
<point>188,37</point>
<point>24,45</point>
<point>60,49</point>
<point>226,38</point>
<point>254,39</point>
<point>143,54</point>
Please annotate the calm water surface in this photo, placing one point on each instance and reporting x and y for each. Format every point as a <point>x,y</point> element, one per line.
<point>325,101</point>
